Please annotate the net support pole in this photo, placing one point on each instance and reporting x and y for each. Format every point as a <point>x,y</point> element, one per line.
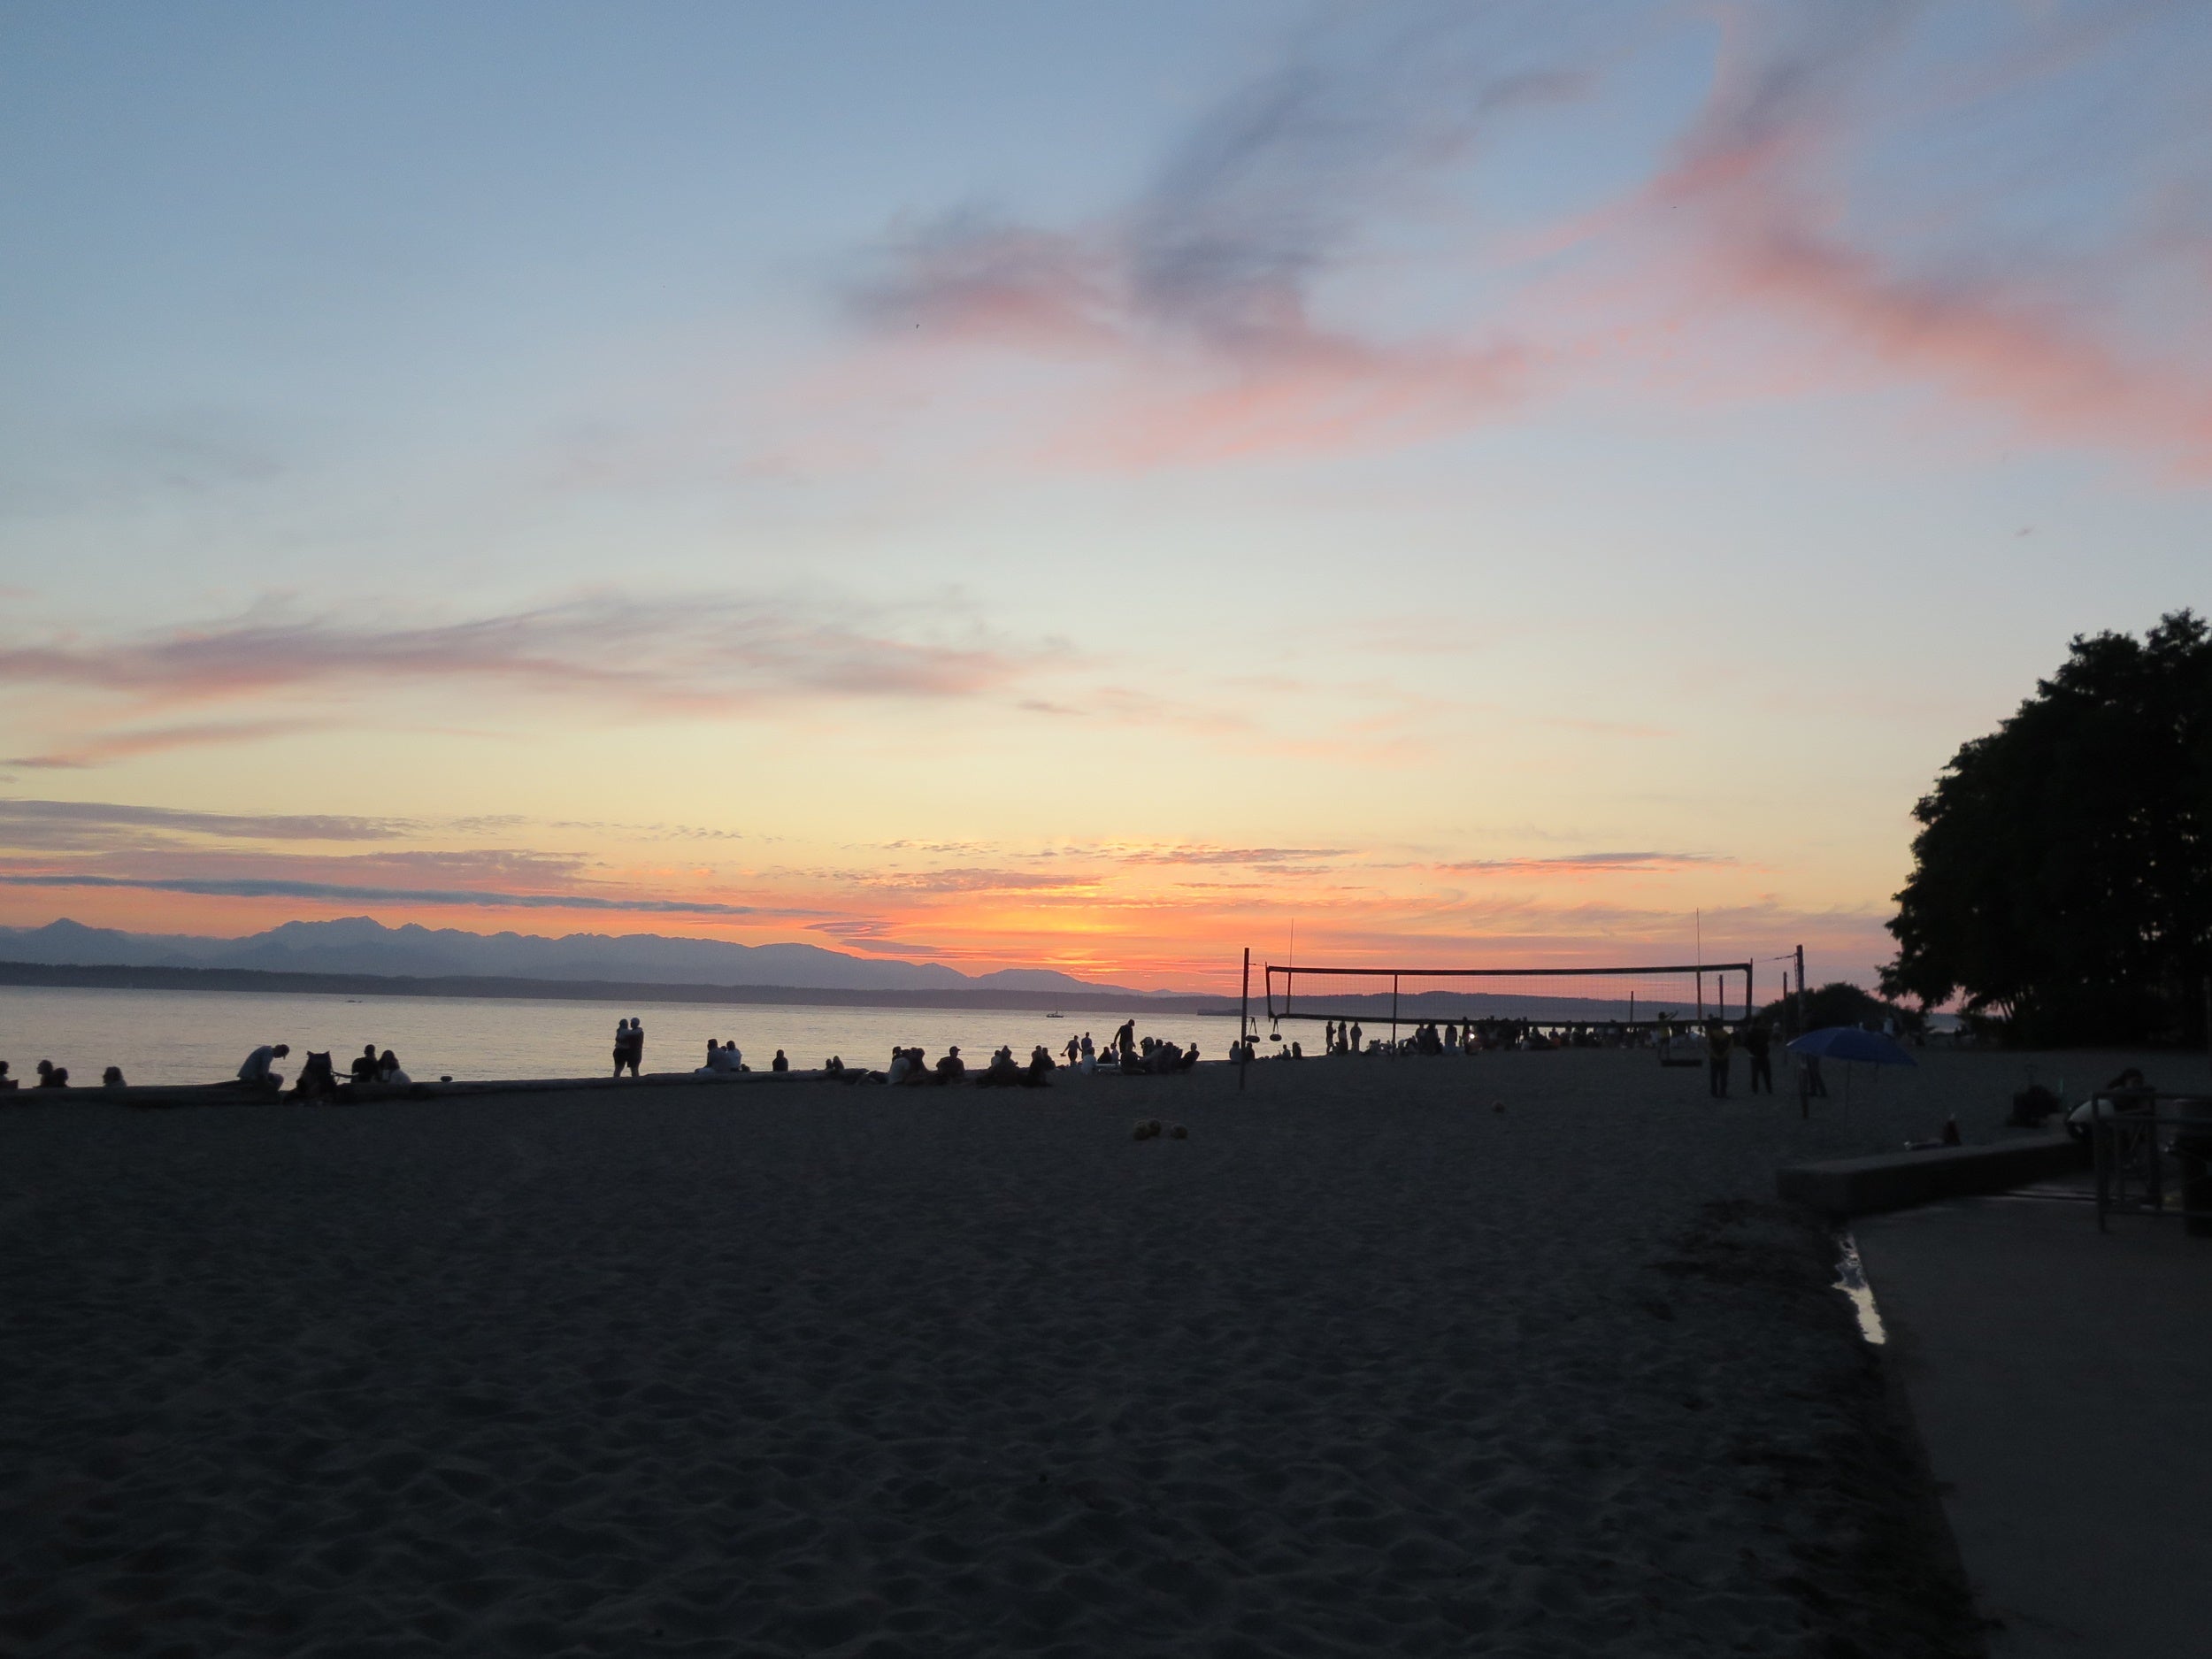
<point>1394,1012</point>
<point>1801,990</point>
<point>1244,1020</point>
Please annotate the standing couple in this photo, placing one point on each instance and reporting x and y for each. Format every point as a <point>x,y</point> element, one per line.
<point>629,1045</point>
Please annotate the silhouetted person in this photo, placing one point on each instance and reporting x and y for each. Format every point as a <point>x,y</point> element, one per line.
<point>112,1078</point>
<point>388,1069</point>
<point>6,1082</point>
<point>779,1063</point>
<point>256,1071</point>
<point>52,1076</point>
<point>1758,1042</point>
<point>316,1079</point>
<point>1126,1037</point>
<point>1356,1037</point>
<point>1717,1043</point>
<point>364,1067</point>
<point>952,1068</point>
<point>629,1046</point>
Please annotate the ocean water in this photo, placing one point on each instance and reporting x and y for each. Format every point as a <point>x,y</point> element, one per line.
<point>201,1036</point>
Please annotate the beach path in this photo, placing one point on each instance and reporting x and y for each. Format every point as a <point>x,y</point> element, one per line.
<point>2060,1378</point>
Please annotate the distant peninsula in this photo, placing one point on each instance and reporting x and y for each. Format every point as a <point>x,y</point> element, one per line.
<point>120,977</point>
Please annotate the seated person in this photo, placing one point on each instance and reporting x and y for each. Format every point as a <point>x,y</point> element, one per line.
<point>832,1067</point>
<point>952,1068</point>
<point>6,1082</point>
<point>112,1078</point>
<point>52,1076</point>
<point>316,1079</point>
<point>1040,1068</point>
<point>779,1063</point>
<point>256,1071</point>
<point>387,1070</point>
<point>364,1067</point>
<point>1002,1072</point>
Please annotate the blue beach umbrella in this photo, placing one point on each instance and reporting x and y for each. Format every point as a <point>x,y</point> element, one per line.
<point>1848,1043</point>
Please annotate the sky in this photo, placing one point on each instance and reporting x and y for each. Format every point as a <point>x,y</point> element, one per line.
<point>1087,487</point>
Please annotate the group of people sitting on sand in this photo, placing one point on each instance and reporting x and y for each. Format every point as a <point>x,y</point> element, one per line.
<point>1002,1072</point>
<point>1129,1054</point>
<point>723,1059</point>
<point>52,1076</point>
<point>1476,1036</point>
<point>319,1079</point>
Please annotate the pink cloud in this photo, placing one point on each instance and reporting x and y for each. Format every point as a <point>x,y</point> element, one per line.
<point>697,655</point>
<point>1756,202</point>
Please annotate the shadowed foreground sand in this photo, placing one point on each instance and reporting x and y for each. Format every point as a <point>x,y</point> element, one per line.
<point>1361,1367</point>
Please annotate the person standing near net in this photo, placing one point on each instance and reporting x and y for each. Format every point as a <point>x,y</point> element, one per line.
<point>1717,1042</point>
<point>1758,1042</point>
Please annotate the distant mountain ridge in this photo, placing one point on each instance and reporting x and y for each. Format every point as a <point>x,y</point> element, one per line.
<point>358,944</point>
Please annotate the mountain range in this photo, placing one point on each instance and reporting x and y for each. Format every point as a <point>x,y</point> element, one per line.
<point>357,944</point>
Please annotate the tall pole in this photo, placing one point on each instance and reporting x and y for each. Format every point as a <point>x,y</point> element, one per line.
<point>1801,990</point>
<point>1393,1013</point>
<point>1749,970</point>
<point>1244,1020</point>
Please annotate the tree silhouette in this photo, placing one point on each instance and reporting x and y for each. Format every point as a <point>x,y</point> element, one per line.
<point>2062,874</point>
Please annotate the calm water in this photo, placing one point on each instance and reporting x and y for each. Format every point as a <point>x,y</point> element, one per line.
<point>201,1036</point>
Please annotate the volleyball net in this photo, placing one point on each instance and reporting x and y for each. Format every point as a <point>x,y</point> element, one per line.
<point>1381,999</point>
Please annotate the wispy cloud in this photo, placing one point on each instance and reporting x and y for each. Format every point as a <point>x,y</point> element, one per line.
<point>16,816</point>
<point>105,748</point>
<point>1239,304</point>
<point>1200,299</point>
<point>476,898</point>
<point>1587,864</point>
<point>698,655</point>
<point>1203,855</point>
<point>1758,187</point>
<point>699,651</point>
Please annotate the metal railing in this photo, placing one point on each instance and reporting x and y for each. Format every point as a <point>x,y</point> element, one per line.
<point>2153,1156</point>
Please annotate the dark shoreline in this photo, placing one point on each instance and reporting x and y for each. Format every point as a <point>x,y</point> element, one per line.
<point>58,976</point>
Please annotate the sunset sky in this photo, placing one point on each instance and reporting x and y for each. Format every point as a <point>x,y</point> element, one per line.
<point>1088,487</point>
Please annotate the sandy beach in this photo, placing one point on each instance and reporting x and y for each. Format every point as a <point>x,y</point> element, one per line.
<point>1363,1365</point>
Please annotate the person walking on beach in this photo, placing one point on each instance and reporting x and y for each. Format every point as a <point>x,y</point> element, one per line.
<point>1758,1042</point>
<point>1717,1043</point>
